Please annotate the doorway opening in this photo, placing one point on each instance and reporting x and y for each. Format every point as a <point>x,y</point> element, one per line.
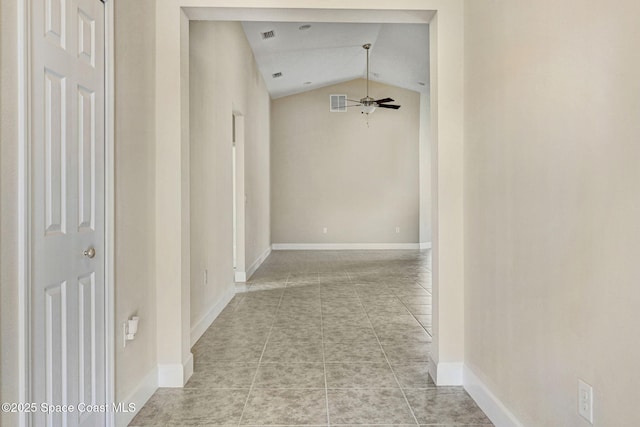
<point>446,26</point>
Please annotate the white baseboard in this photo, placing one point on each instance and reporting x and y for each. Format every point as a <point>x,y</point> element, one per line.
<point>205,321</point>
<point>446,373</point>
<point>342,246</point>
<point>425,245</point>
<point>257,263</point>
<point>497,412</point>
<point>140,395</point>
<point>187,369</point>
<point>175,375</point>
<point>433,369</point>
<point>243,276</point>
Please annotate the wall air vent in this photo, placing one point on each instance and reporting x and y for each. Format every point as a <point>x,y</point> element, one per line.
<point>276,75</point>
<point>268,35</point>
<point>338,103</point>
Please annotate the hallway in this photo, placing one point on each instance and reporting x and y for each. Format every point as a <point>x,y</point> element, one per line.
<point>320,338</point>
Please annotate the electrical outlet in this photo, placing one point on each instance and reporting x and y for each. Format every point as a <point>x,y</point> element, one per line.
<point>325,230</point>
<point>129,329</point>
<point>585,401</point>
<point>397,229</point>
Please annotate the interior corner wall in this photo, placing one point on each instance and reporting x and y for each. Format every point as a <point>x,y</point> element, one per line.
<point>332,170</point>
<point>224,79</point>
<point>9,334</point>
<point>552,124</point>
<point>134,191</point>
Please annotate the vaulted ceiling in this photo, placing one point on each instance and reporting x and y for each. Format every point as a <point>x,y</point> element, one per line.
<point>309,55</point>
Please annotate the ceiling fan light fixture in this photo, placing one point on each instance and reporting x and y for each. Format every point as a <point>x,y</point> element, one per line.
<point>368,104</point>
<point>368,109</point>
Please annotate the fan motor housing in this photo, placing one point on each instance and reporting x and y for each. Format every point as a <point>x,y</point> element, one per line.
<point>367,101</point>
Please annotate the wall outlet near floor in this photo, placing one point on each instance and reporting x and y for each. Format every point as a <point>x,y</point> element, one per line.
<point>129,329</point>
<point>585,401</point>
<point>324,230</point>
<point>397,229</point>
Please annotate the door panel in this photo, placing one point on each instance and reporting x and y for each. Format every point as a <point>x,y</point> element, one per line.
<point>86,159</point>
<point>56,349</point>
<point>87,345</point>
<point>55,140</point>
<point>67,197</point>
<point>86,38</point>
<point>55,21</point>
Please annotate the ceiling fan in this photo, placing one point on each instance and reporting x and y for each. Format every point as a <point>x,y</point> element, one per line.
<point>367,103</point>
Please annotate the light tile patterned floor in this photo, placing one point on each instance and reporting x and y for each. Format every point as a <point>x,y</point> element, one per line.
<point>320,338</point>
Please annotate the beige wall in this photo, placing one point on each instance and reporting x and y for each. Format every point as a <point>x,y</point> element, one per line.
<point>332,170</point>
<point>257,170</point>
<point>134,190</point>
<point>8,212</point>
<point>425,168</point>
<point>224,79</point>
<point>552,206</point>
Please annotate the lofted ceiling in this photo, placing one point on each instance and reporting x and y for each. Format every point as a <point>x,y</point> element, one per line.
<point>310,55</point>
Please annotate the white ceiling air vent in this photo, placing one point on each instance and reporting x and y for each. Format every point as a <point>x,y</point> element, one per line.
<point>338,103</point>
<point>268,34</point>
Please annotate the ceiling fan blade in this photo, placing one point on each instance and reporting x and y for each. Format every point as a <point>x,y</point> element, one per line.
<point>353,100</point>
<point>393,107</point>
<point>382,101</point>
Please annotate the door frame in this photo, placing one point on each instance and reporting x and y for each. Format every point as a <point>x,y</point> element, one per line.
<point>24,206</point>
<point>446,40</point>
<point>239,197</point>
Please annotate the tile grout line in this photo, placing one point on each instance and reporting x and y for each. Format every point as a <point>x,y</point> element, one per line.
<point>413,315</point>
<point>264,348</point>
<point>324,360</point>
<point>387,359</point>
<point>430,293</point>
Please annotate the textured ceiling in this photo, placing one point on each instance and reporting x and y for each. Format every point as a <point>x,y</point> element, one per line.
<point>329,53</point>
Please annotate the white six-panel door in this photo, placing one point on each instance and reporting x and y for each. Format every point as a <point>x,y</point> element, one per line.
<point>67,294</point>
